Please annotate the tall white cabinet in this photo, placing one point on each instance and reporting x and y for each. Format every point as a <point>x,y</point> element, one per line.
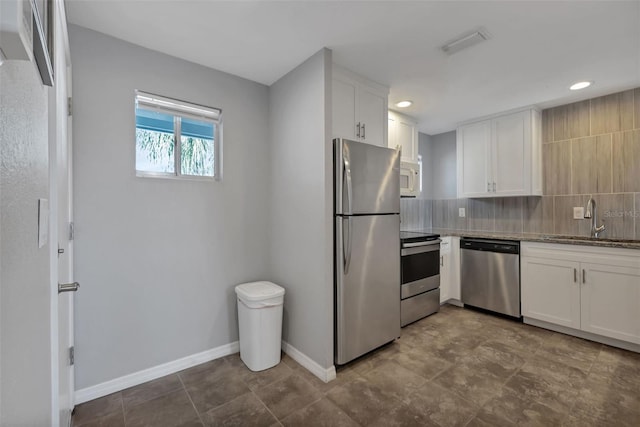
<point>500,156</point>
<point>359,108</point>
<point>589,289</point>
<point>403,133</point>
<point>449,269</point>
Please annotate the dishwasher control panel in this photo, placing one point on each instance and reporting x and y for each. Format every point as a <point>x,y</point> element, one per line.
<point>500,246</point>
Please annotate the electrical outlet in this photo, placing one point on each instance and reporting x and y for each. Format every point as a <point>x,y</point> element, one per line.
<point>461,212</point>
<point>578,212</point>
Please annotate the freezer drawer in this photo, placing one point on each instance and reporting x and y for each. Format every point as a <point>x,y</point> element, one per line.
<point>367,292</point>
<point>419,306</point>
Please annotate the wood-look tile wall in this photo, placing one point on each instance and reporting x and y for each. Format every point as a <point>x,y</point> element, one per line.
<point>590,149</point>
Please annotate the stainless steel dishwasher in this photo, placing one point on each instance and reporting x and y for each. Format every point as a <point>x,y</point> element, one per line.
<point>490,275</point>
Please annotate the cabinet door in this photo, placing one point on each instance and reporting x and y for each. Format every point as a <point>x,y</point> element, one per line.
<point>454,269</point>
<point>550,291</point>
<point>392,139</point>
<point>372,113</point>
<point>407,139</point>
<point>511,147</point>
<point>611,301</point>
<point>445,269</point>
<point>344,109</point>
<point>474,159</point>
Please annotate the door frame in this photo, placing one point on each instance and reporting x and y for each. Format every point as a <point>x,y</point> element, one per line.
<point>58,103</point>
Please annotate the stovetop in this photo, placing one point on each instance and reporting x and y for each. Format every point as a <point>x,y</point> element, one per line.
<point>417,236</point>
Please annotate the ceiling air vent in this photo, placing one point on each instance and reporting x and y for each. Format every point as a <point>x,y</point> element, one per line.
<point>465,41</point>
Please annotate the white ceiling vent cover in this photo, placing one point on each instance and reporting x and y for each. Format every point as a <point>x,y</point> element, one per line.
<point>465,41</point>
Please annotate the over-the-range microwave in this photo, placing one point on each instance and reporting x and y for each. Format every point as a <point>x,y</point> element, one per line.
<point>409,179</point>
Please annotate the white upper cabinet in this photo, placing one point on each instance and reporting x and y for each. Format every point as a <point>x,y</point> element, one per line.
<point>474,159</point>
<point>403,132</point>
<point>359,108</point>
<point>500,156</point>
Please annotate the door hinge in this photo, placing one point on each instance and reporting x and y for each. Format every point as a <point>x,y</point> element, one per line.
<point>71,231</point>
<point>72,355</point>
<point>69,106</point>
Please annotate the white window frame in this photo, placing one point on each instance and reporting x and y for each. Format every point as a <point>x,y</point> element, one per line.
<point>178,109</point>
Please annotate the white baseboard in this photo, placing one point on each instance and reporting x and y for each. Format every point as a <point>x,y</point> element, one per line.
<point>582,334</point>
<point>325,374</point>
<point>126,381</point>
<point>454,301</point>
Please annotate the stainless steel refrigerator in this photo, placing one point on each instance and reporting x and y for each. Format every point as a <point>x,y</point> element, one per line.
<point>367,248</point>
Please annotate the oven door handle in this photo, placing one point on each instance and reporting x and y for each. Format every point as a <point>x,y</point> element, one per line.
<point>417,244</point>
<point>420,249</point>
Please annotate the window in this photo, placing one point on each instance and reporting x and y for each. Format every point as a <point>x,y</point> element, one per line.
<point>176,138</point>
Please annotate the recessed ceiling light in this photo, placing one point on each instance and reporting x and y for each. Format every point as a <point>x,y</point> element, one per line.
<point>404,104</point>
<point>580,85</point>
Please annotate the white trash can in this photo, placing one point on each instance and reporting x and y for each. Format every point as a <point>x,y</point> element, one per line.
<point>260,324</point>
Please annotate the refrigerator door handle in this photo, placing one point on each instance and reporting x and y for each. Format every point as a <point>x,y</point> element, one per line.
<point>347,181</point>
<point>346,244</point>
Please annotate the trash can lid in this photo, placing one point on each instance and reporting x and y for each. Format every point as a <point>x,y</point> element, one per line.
<point>258,291</point>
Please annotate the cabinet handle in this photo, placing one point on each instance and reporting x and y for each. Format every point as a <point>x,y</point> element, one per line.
<point>584,276</point>
<point>358,130</point>
<point>441,261</point>
<point>488,187</point>
<point>363,132</point>
<point>494,187</point>
<point>575,275</point>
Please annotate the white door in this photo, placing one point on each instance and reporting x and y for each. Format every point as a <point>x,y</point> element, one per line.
<point>474,159</point>
<point>551,291</point>
<point>372,112</point>
<point>510,145</point>
<point>611,301</point>
<point>65,275</point>
<point>63,168</point>
<point>445,269</point>
<point>392,130</point>
<point>407,139</point>
<point>344,109</point>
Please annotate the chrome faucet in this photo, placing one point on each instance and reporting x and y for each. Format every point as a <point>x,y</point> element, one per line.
<point>592,212</point>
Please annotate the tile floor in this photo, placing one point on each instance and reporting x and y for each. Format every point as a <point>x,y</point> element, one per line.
<point>455,368</point>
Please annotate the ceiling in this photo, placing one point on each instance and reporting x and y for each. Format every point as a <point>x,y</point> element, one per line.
<point>536,50</point>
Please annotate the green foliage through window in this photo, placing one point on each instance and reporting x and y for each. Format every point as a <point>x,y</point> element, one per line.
<point>159,127</point>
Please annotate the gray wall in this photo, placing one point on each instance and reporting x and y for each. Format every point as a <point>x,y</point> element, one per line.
<point>25,339</point>
<point>443,166</point>
<point>301,205</point>
<point>158,259</point>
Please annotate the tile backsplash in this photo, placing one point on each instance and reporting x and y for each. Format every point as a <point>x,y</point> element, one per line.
<point>590,149</point>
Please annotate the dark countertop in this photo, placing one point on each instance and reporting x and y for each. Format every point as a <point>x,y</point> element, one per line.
<point>534,237</point>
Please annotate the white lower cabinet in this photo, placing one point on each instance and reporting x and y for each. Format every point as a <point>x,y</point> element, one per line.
<point>610,299</point>
<point>550,291</point>
<point>591,289</point>
<point>449,269</point>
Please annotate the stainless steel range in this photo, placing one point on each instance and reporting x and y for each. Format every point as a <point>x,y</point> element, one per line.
<point>420,271</point>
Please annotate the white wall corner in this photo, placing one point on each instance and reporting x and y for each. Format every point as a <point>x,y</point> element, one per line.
<point>136,378</point>
<point>325,374</point>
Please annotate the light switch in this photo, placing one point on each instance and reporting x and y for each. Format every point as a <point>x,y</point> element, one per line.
<point>461,212</point>
<point>578,212</point>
